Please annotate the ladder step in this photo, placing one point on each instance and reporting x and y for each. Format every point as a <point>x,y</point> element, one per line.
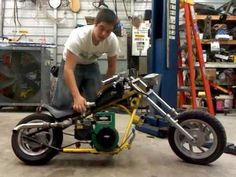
<point>187,67</point>
<point>184,67</point>
<point>184,89</point>
<point>188,89</point>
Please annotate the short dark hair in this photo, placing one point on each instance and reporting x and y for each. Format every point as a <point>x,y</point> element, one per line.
<point>106,15</point>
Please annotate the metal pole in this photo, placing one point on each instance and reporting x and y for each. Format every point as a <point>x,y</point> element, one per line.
<point>167,34</point>
<point>55,36</point>
<point>1,16</point>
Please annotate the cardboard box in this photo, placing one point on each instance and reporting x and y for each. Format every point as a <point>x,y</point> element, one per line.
<point>211,74</point>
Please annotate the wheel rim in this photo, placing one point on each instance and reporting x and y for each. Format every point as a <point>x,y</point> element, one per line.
<point>32,148</point>
<point>205,136</point>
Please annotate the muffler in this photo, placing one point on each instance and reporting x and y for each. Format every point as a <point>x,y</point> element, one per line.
<point>64,124</point>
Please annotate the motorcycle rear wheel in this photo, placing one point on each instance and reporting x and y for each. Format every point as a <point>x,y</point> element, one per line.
<point>31,151</point>
<point>208,132</point>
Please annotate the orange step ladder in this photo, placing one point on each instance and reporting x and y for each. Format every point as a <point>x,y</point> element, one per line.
<point>191,29</point>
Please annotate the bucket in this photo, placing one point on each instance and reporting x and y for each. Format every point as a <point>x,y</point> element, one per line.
<point>219,104</point>
<point>224,102</point>
<point>228,103</point>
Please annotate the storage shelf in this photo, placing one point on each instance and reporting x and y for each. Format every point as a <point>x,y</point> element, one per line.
<point>222,42</point>
<point>219,65</point>
<point>215,17</point>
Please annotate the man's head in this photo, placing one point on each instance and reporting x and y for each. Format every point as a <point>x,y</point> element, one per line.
<point>105,22</point>
<point>107,16</point>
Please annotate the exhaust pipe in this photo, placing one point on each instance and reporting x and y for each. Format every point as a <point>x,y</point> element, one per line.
<point>64,124</point>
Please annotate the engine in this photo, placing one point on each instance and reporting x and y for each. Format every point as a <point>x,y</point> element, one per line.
<point>101,131</point>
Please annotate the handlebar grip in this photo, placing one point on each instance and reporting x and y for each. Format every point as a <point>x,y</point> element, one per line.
<point>111,79</point>
<point>90,104</point>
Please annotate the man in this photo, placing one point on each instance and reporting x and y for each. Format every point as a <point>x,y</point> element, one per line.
<point>79,75</point>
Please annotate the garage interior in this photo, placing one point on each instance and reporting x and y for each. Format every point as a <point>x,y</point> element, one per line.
<point>191,45</point>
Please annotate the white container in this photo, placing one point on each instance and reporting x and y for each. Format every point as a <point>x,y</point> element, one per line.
<point>228,103</point>
<point>228,100</point>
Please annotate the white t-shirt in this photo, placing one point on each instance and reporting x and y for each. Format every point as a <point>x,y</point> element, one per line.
<point>80,43</point>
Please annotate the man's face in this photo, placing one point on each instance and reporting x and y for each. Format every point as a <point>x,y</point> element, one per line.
<point>102,30</point>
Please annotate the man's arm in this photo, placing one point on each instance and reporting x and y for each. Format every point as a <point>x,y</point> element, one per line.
<point>79,103</point>
<point>111,69</point>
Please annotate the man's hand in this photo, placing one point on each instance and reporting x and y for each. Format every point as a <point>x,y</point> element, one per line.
<point>79,104</point>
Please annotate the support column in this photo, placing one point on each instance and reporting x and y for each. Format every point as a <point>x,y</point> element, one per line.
<point>164,53</point>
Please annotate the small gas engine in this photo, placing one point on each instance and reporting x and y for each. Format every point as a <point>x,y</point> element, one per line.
<point>100,131</point>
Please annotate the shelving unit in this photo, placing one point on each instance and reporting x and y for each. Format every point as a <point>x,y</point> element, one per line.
<point>225,65</point>
<point>215,17</point>
<point>219,65</point>
<point>222,42</point>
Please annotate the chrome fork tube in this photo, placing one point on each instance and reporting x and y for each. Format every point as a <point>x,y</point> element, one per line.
<point>167,116</point>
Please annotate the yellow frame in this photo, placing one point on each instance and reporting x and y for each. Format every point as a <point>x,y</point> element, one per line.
<point>133,119</point>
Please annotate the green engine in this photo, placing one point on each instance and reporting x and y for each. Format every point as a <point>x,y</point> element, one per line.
<point>105,137</point>
<point>101,132</point>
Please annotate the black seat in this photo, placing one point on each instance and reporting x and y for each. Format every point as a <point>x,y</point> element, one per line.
<point>59,114</point>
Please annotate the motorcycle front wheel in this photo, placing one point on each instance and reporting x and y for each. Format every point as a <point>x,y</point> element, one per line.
<point>209,135</point>
<point>36,146</point>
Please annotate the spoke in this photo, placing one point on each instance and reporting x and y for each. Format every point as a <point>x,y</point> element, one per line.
<point>24,141</point>
<point>188,126</point>
<point>190,147</point>
<point>199,127</point>
<point>182,139</point>
<point>193,126</point>
<point>199,147</point>
<point>208,132</point>
<point>27,147</point>
<point>24,138</point>
<point>204,127</point>
<point>45,133</point>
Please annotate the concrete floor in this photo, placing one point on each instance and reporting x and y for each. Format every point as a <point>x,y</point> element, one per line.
<point>148,157</point>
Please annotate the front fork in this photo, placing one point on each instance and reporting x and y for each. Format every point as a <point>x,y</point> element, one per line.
<point>168,114</point>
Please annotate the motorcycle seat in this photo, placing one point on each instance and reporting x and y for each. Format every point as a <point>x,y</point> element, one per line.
<point>58,114</point>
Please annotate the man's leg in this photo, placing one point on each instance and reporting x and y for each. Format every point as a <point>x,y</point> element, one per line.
<point>62,98</point>
<point>89,80</point>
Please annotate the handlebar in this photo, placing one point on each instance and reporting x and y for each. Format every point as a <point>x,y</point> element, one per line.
<point>114,78</point>
<point>110,80</point>
<point>90,104</point>
<point>137,83</point>
<point>130,80</point>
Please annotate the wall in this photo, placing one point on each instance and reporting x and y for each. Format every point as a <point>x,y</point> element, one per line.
<point>45,25</point>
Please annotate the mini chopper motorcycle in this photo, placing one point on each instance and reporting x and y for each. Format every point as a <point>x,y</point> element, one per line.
<point>195,136</point>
